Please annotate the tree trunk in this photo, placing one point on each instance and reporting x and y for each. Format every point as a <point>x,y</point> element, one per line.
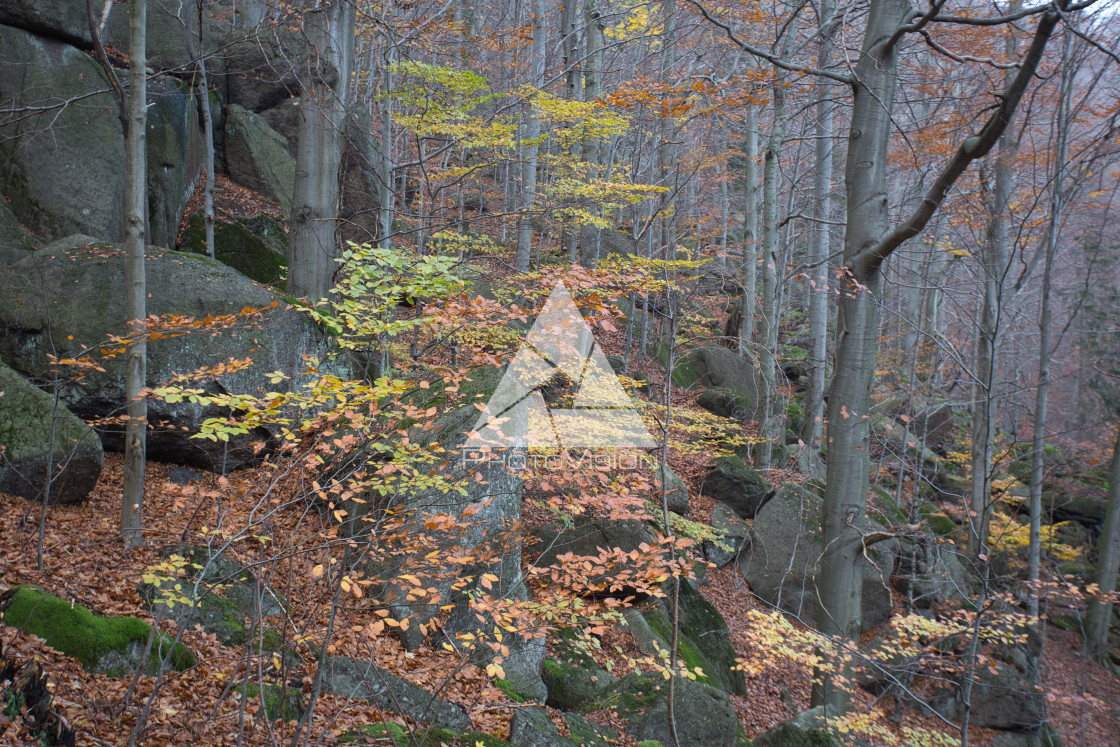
<point>529,153</point>
<point>750,226</point>
<point>1108,547</point>
<point>136,429</point>
<point>207,126</point>
<point>813,428</point>
<point>593,78</point>
<point>770,422</point>
<point>315,205</point>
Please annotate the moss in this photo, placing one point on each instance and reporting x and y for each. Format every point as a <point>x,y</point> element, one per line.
<point>650,743</point>
<point>77,632</point>
<point>391,733</point>
<point>939,522</point>
<point>256,247</point>
<point>686,649</point>
<point>279,702</point>
<point>510,692</point>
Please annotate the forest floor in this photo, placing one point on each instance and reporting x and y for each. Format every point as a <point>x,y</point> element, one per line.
<point>84,562</point>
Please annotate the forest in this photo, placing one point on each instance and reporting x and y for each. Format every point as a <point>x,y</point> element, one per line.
<point>559,373</point>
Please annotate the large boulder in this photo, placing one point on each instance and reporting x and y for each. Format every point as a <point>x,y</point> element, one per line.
<point>806,729</point>
<point>589,536</point>
<point>704,639</point>
<point>704,714</point>
<point>61,165</point>
<point>1003,696</point>
<point>361,188</point>
<point>257,156</point>
<point>676,491</point>
<point>41,440</point>
<point>256,247</point>
<point>110,644</point>
<point>261,70</point>
<point>734,535</point>
<point>784,557</point>
<point>358,680</point>
<point>532,727</point>
<point>713,366</point>
<point>85,302</point>
<point>64,20</point>
<point>736,485</point>
<point>573,677</point>
<point>166,37</point>
<point>174,147</point>
<point>468,507</point>
<point>15,243</point>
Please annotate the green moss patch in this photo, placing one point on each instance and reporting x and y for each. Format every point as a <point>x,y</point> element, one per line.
<point>91,639</point>
<point>256,247</point>
<point>391,733</point>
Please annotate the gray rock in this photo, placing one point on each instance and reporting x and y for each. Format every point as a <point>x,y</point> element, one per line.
<point>1005,699</point>
<point>15,243</point>
<point>257,157</point>
<point>738,486</point>
<point>64,20</point>
<point>587,537</point>
<point>940,574</point>
<point>574,678</point>
<point>532,727</point>
<point>588,733</point>
<point>717,367</point>
<point>361,187</point>
<point>1046,736</point>
<point>783,560</point>
<point>174,146</point>
<point>256,247</point>
<point>218,593</point>
<point>726,403</point>
<point>704,639</point>
<point>806,729</point>
<point>166,37</point>
<point>87,303</point>
<point>885,662</point>
<point>261,70</point>
<point>63,168</point>
<point>675,491</point>
<point>284,119</point>
<point>704,714</point>
<point>357,680</point>
<point>735,533</point>
<point>27,417</point>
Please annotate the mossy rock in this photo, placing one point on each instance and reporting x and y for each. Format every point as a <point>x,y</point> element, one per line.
<point>588,733</point>
<point>278,702</point>
<point>394,734</point>
<point>704,714</point>
<point>256,247</point>
<point>574,678</point>
<point>112,644</point>
<point>807,729</point>
<point>939,522</point>
<point>38,438</point>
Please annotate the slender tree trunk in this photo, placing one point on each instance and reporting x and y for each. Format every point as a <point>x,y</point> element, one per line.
<point>529,153</point>
<point>1099,616</point>
<point>769,419</point>
<point>385,164</point>
<point>1042,390</point>
<point>593,79</point>
<point>667,149</point>
<point>573,91</point>
<point>136,429</point>
<point>750,226</point>
<point>315,206</point>
<point>813,429</point>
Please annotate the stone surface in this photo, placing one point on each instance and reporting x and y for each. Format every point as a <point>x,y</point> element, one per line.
<point>806,729</point>
<point>261,70</point>
<point>704,714</point>
<point>174,148</point>
<point>726,403</point>
<point>27,418</point>
<point>782,562</point>
<point>257,157</point>
<point>71,178</point>
<point>359,680</point>
<point>532,727</point>
<point>736,534</point>
<point>64,20</point>
<point>736,485</point>
<point>110,644</point>
<point>574,678</point>
<point>675,491</point>
<point>718,367</point>
<point>704,640</point>
<point>88,303</point>
<point>255,247</point>
<point>588,536</point>
<point>1003,699</point>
